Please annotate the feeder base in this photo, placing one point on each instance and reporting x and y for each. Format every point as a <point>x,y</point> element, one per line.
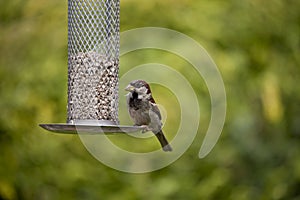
<point>90,128</point>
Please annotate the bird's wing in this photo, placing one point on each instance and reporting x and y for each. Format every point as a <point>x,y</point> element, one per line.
<point>155,109</point>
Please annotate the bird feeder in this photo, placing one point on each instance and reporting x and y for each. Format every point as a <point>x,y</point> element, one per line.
<point>93,66</point>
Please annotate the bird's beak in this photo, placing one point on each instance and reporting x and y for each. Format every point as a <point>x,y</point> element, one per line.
<point>129,88</point>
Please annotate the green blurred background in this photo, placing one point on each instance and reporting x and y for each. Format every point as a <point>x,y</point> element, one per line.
<point>256,47</point>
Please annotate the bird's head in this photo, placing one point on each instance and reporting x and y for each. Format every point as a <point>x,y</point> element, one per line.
<point>139,86</point>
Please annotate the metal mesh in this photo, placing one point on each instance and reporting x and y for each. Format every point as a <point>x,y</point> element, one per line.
<point>93,59</point>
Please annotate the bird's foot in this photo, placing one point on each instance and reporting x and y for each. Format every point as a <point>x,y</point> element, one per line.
<point>145,128</point>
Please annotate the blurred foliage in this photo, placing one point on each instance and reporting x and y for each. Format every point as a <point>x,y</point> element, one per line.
<point>256,47</point>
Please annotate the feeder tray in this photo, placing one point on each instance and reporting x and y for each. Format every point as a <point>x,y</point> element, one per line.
<point>90,129</point>
<point>93,67</point>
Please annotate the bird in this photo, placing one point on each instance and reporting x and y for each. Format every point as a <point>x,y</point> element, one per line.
<point>144,111</point>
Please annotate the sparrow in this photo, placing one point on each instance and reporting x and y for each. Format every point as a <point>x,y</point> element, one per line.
<point>144,111</point>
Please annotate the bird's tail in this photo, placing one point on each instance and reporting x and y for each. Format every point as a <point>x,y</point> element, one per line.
<point>163,141</point>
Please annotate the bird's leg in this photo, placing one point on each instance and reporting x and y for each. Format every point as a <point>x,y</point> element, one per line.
<point>145,128</point>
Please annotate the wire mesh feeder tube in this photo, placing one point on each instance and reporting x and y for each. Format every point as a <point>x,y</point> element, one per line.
<point>93,66</point>
<point>93,60</point>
